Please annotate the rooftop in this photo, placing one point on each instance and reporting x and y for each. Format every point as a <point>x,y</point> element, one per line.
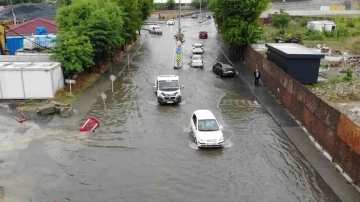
<point>168,77</point>
<point>25,58</point>
<point>29,66</point>
<point>292,49</point>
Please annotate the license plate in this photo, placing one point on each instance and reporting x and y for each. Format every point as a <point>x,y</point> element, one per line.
<point>169,102</point>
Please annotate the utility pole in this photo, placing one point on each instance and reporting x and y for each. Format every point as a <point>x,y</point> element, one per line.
<point>179,34</point>
<point>200,11</point>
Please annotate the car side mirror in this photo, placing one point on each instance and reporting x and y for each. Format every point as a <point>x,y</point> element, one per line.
<point>221,127</point>
<point>182,87</point>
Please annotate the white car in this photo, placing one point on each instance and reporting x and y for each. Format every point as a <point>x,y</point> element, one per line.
<point>168,89</point>
<point>155,29</point>
<point>197,61</point>
<point>205,129</point>
<point>198,49</point>
<point>170,22</point>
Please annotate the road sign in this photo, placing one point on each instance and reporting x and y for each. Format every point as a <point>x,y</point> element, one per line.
<point>103,96</point>
<point>69,81</point>
<point>112,78</point>
<point>178,50</point>
<point>178,57</point>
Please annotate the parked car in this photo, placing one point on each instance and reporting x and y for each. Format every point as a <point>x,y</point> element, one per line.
<point>155,29</point>
<point>205,129</point>
<point>170,22</point>
<point>223,69</point>
<point>194,16</point>
<point>198,49</point>
<point>168,89</point>
<point>203,35</point>
<point>197,61</point>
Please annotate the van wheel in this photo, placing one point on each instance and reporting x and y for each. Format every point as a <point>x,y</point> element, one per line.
<point>149,32</point>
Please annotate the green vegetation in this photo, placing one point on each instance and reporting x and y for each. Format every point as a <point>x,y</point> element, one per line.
<point>92,30</point>
<point>281,20</point>
<point>170,4</point>
<point>346,37</point>
<point>238,21</point>
<point>196,3</point>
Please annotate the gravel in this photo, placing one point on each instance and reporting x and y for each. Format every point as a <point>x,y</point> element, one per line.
<point>29,11</point>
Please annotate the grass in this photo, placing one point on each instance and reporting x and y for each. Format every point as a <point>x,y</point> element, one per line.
<point>345,38</point>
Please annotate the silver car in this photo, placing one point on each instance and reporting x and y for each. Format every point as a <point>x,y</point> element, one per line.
<point>198,49</point>
<point>197,61</point>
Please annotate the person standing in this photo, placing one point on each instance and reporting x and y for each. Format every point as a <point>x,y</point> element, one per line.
<point>257,77</point>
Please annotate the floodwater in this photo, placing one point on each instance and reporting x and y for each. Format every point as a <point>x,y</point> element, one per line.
<point>143,151</point>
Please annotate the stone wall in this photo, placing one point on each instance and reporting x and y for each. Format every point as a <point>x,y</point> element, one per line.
<point>336,133</point>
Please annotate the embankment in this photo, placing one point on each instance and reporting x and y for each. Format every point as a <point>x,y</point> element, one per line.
<point>336,133</point>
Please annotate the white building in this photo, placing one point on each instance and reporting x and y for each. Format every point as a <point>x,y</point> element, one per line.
<point>321,25</point>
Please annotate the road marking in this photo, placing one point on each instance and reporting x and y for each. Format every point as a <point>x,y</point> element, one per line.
<point>239,103</point>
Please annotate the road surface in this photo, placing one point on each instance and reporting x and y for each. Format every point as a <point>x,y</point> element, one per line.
<point>143,151</point>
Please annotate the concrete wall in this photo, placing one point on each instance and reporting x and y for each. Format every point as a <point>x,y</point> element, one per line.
<point>336,133</point>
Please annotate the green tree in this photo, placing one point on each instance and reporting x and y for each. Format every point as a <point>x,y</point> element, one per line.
<point>132,18</point>
<point>281,20</point>
<point>60,3</point>
<point>74,52</point>
<point>101,21</point>
<point>170,4</point>
<point>238,21</point>
<point>146,7</point>
<point>196,3</point>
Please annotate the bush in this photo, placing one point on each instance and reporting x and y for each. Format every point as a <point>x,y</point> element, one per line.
<point>350,23</point>
<point>342,32</point>
<point>349,75</point>
<point>303,21</point>
<point>281,20</point>
<point>314,35</point>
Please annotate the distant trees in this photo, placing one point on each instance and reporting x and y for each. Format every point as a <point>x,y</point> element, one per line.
<point>90,30</point>
<point>238,21</point>
<point>196,3</point>
<point>170,4</point>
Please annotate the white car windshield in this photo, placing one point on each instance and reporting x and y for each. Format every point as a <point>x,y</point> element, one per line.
<point>196,57</point>
<point>197,46</point>
<point>208,125</point>
<point>168,85</point>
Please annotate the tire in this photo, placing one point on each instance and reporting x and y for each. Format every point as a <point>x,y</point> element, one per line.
<point>222,74</point>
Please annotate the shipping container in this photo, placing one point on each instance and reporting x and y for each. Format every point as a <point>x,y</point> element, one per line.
<point>29,43</point>
<point>27,80</point>
<point>14,43</point>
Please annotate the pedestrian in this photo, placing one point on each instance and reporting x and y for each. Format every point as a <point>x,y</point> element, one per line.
<point>257,77</point>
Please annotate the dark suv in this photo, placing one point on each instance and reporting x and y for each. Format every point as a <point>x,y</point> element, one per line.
<point>203,35</point>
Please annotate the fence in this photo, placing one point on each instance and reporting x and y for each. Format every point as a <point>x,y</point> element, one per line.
<point>336,133</point>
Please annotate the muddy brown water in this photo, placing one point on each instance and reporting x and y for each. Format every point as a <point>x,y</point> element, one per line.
<point>143,151</point>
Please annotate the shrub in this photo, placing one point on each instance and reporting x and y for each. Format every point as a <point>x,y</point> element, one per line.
<point>349,75</point>
<point>350,23</point>
<point>303,21</point>
<point>281,20</point>
<point>342,32</point>
<point>314,35</point>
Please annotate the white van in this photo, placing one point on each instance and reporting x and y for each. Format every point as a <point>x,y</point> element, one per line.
<point>168,89</point>
<point>155,29</point>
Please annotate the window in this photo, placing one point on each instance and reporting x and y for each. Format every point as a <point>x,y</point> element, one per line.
<point>208,125</point>
<point>169,85</point>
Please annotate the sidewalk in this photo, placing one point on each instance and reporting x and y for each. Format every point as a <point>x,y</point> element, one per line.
<point>326,169</point>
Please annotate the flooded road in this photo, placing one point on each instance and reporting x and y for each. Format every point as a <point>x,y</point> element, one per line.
<point>144,152</point>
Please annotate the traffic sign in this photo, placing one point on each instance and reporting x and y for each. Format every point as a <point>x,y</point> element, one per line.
<point>178,57</point>
<point>178,50</point>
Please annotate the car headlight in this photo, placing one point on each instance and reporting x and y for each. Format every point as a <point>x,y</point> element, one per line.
<point>201,140</point>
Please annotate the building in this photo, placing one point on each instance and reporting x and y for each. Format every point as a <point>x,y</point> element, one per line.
<point>298,61</point>
<point>15,36</point>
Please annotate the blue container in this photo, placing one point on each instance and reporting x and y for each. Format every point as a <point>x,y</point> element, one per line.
<point>41,31</point>
<point>14,44</point>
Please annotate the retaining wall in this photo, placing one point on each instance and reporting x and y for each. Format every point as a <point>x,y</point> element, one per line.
<point>336,133</point>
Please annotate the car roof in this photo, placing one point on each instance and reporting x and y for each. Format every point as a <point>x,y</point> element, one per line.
<point>203,31</point>
<point>204,114</point>
<point>225,65</point>
<point>167,77</point>
<point>197,44</point>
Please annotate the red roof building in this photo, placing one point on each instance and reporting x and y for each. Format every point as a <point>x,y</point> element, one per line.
<point>29,27</point>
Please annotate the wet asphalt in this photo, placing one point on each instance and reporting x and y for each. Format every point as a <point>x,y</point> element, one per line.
<point>143,151</point>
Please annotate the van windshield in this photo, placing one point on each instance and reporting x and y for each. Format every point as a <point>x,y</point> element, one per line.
<point>168,85</point>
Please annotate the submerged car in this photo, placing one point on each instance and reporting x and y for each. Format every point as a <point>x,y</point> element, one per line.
<point>168,89</point>
<point>224,69</point>
<point>197,61</point>
<point>203,35</point>
<point>170,22</point>
<point>205,129</point>
<point>198,49</point>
